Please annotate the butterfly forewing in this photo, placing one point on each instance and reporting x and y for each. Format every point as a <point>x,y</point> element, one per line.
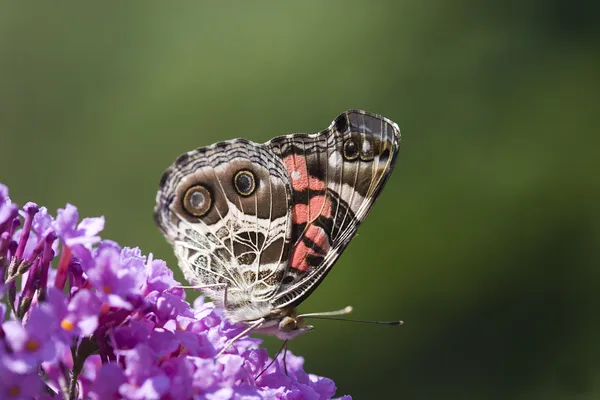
<point>335,176</point>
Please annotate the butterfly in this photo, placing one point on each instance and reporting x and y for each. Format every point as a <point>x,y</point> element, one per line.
<point>257,227</point>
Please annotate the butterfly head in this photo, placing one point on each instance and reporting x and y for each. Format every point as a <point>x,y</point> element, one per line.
<point>285,324</point>
<point>291,327</point>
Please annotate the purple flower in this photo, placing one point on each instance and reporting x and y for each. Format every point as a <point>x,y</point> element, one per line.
<point>115,321</point>
<point>43,222</point>
<point>115,279</point>
<point>8,210</point>
<point>146,380</point>
<point>167,306</point>
<point>180,372</point>
<point>108,380</point>
<point>80,316</point>
<point>31,343</point>
<point>19,386</point>
<point>78,238</point>
<point>159,276</point>
<point>28,214</point>
<point>72,234</point>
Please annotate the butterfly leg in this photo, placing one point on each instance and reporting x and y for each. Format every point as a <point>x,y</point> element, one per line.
<point>283,348</point>
<point>213,286</point>
<point>230,342</point>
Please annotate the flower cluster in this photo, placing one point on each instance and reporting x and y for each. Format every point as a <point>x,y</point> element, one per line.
<point>84,318</point>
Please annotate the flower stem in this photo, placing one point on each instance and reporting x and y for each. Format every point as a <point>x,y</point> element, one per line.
<point>80,353</point>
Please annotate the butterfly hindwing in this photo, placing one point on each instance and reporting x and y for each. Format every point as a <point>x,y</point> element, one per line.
<point>239,227</point>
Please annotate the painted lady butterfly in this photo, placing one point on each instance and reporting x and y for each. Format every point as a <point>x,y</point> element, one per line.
<point>257,227</point>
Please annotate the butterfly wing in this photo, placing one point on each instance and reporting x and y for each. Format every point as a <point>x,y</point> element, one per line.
<point>269,221</point>
<point>225,209</point>
<point>335,177</point>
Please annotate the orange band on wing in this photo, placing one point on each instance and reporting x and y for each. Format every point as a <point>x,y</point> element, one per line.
<point>301,180</point>
<point>301,251</point>
<point>318,205</point>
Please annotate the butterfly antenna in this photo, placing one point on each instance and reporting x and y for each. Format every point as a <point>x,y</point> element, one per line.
<point>343,311</point>
<point>331,315</point>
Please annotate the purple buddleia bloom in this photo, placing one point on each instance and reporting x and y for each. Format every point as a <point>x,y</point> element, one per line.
<point>159,276</point>
<point>168,305</point>
<point>84,233</point>
<point>30,242</point>
<point>132,259</point>
<point>108,379</point>
<point>19,386</point>
<point>163,342</point>
<point>31,343</point>
<point>78,237</point>
<point>180,372</point>
<point>111,277</point>
<point>145,379</point>
<point>54,371</point>
<point>8,210</point>
<point>117,321</point>
<point>89,372</point>
<point>129,335</point>
<point>76,317</point>
<point>42,222</point>
<point>22,236</point>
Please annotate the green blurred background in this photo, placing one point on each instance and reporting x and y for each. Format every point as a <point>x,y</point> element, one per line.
<point>486,238</point>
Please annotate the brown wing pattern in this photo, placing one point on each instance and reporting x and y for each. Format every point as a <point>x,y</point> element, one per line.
<point>335,176</point>
<point>269,221</point>
<point>225,210</point>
